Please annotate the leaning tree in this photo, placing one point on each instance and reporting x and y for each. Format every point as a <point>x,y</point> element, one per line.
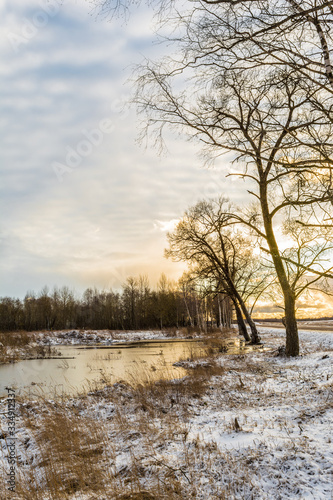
<point>219,255</point>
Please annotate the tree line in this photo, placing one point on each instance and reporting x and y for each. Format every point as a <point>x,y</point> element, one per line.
<point>136,306</point>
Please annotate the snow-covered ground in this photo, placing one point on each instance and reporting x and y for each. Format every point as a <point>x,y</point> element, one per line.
<point>254,426</point>
<point>105,337</point>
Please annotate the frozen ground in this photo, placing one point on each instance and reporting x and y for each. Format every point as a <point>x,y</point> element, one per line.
<point>254,426</point>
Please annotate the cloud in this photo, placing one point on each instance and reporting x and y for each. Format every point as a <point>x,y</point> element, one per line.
<point>99,223</point>
<point>166,226</point>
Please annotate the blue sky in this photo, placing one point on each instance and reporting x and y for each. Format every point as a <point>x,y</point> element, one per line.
<point>103,216</point>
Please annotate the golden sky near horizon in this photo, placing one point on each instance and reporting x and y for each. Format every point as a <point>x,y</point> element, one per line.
<point>318,305</point>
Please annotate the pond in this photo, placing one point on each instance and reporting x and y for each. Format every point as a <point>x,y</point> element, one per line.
<point>79,369</point>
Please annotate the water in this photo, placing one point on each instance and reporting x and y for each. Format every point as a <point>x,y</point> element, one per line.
<point>83,368</point>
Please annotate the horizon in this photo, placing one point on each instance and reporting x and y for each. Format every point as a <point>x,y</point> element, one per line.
<point>269,312</point>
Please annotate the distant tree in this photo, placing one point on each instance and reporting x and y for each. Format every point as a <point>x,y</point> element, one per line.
<point>185,291</point>
<point>167,307</point>
<point>210,305</point>
<point>67,307</point>
<point>144,294</point>
<point>11,314</point>
<point>130,300</point>
<point>46,316</point>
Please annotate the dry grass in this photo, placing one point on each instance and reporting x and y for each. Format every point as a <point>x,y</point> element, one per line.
<point>16,339</point>
<point>72,455</point>
<point>18,345</point>
<point>69,455</point>
<point>13,345</point>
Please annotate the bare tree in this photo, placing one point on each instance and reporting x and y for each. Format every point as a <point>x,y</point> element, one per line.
<point>308,257</point>
<point>211,281</point>
<point>252,33</point>
<point>280,133</point>
<point>185,288</point>
<point>263,85</point>
<point>218,253</point>
<point>130,298</point>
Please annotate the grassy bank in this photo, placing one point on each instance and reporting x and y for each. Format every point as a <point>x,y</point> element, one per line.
<point>16,346</point>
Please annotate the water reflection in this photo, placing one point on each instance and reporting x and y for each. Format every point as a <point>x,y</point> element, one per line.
<point>83,368</point>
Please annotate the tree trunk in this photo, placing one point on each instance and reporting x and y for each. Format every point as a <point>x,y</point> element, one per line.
<point>187,309</point>
<point>220,312</point>
<point>198,314</point>
<point>255,338</point>
<point>227,311</point>
<point>241,323</point>
<point>235,296</point>
<point>292,340</point>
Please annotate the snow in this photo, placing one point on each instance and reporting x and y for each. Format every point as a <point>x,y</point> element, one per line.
<point>103,337</point>
<point>281,448</point>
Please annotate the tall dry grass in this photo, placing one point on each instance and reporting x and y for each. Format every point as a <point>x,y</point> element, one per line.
<point>18,345</point>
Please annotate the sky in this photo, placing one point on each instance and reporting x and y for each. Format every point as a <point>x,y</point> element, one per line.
<point>82,203</point>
